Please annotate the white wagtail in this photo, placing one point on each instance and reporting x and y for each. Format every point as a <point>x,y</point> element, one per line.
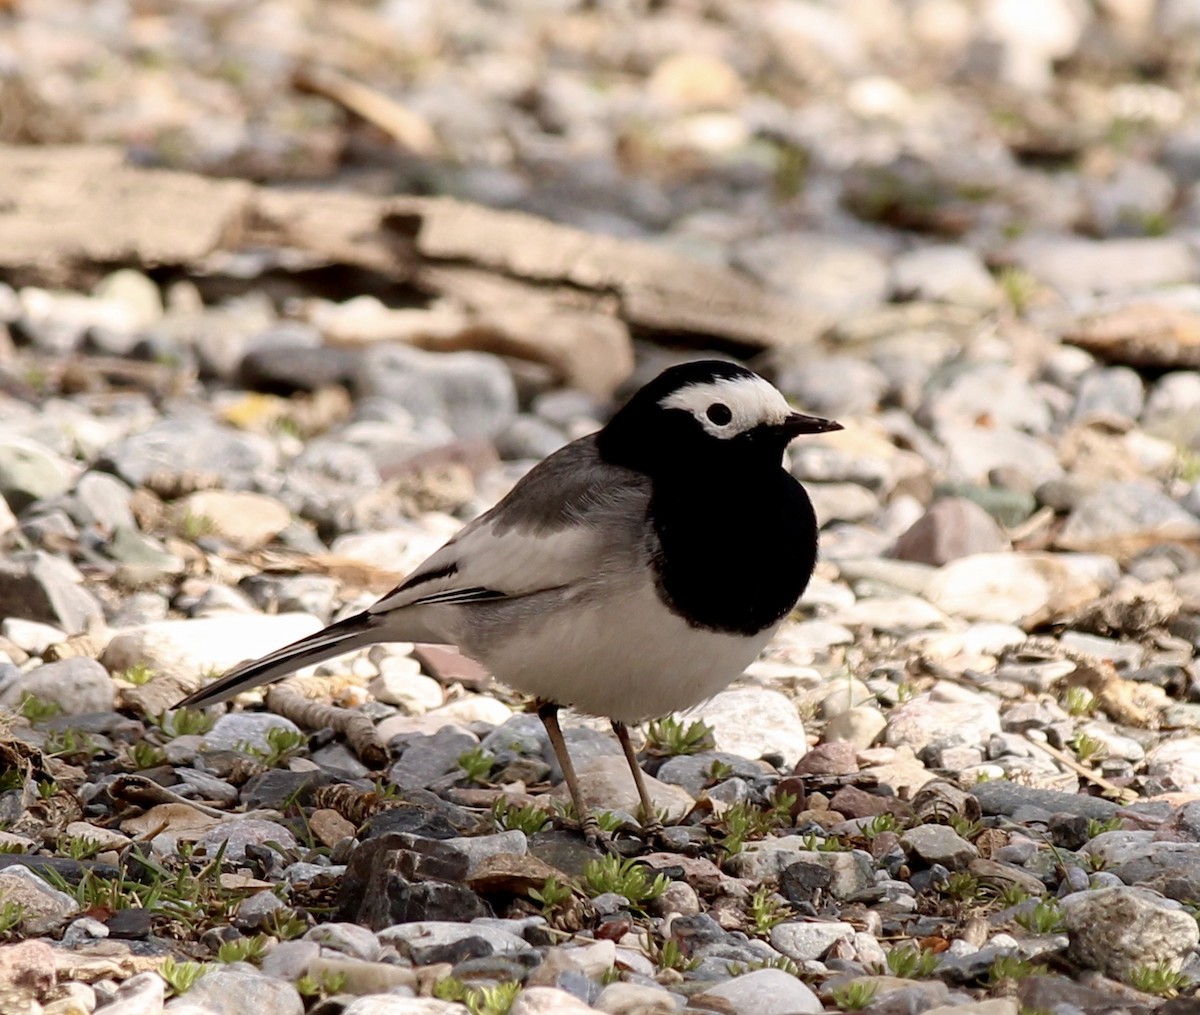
<point>634,572</point>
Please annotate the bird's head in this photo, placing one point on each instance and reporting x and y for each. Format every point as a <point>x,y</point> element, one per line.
<point>705,411</point>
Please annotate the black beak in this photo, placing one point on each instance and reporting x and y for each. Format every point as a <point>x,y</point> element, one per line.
<point>797,423</point>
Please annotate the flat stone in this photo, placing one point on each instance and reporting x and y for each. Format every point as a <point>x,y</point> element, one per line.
<point>1124,518</point>
<point>44,909</point>
<point>232,992</point>
<point>139,995</point>
<point>1082,267</point>
<point>922,721</point>
<point>1020,588</point>
<point>30,472</point>
<point>236,834</point>
<point>47,589</point>
<point>246,730</point>
<point>1002,797</point>
<point>803,942</point>
<point>244,520</point>
<point>387,1004</point>
<point>939,844</point>
<point>1118,930</point>
<point>764,992</point>
<point>754,722</point>
<point>953,527</point>
<point>428,941</point>
<point>187,648</point>
<point>608,785</point>
<point>77,686</point>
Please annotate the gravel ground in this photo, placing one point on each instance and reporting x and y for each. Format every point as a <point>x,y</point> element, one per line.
<point>964,778</point>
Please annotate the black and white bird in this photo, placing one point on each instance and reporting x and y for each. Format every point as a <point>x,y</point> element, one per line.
<point>633,573</point>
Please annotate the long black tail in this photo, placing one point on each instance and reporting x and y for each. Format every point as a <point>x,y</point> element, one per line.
<point>345,635</point>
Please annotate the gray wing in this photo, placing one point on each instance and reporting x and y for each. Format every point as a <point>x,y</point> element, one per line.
<point>564,521</point>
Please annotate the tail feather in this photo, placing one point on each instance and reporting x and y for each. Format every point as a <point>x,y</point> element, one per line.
<point>348,634</point>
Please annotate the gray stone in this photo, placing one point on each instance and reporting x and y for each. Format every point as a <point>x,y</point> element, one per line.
<point>102,501</point>
<point>478,848</point>
<point>30,473</point>
<point>1118,930</point>
<point>835,386</point>
<point>953,527</point>
<point>139,995</point>
<point>77,686</point>
<point>472,392</point>
<point>235,834</point>
<point>999,391</point>
<point>803,942</point>
<point>240,730</point>
<point>347,938</point>
<point>1081,267</point>
<point>427,759</point>
<point>1176,762</point>
<point>43,909</point>
<point>1109,393</point>
<point>430,941</point>
<point>923,721</point>
<point>945,274</point>
<point>754,722</point>
<point>824,274</point>
<point>1127,516</point>
<point>1002,797</point>
<point>765,992</point>
<point>43,588</point>
<point>691,771</point>
<point>939,844</point>
<point>142,557</point>
<point>389,1004</point>
<point>233,992</point>
<point>194,444</point>
<point>849,872</point>
<point>289,960</point>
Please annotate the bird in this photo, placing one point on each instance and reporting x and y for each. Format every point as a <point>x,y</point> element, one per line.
<point>633,573</point>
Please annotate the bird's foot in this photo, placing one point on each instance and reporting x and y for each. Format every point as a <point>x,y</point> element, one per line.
<point>597,837</point>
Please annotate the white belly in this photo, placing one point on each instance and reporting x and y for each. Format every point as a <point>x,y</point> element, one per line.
<point>626,657</point>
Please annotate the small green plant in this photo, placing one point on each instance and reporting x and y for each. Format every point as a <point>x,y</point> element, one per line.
<point>1012,969</point>
<point>146,755</point>
<point>1079,701</point>
<point>10,779</point>
<point>551,895</point>
<point>37,709</point>
<point>767,910</point>
<point>1097,827</point>
<point>193,527</point>
<point>963,887</point>
<point>185,722</point>
<point>965,827</point>
<point>777,962</point>
<point>78,848</point>
<point>1088,749</point>
<point>855,995</point>
<point>1159,979</point>
<point>285,925</point>
<point>745,821</point>
<point>325,985</point>
<point>717,772</point>
<point>910,962</point>
<point>879,824</point>
<point>11,915</point>
<point>670,956</point>
<point>1019,288</point>
<point>669,737</point>
<point>1044,918</point>
<point>243,949</point>
<point>1010,895</point>
<point>495,1000</point>
<point>181,976</point>
<point>623,877</point>
<point>282,744</point>
<point>477,764</point>
<point>508,817</point>
<point>70,745</point>
<point>137,674</point>
<point>608,821</point>
<point>47,789</point>
<point>12,848</point>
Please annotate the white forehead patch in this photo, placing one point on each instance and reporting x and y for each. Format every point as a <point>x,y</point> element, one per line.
<point>751,402</point>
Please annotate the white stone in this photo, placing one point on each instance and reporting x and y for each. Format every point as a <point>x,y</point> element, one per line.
<point>752,722</point>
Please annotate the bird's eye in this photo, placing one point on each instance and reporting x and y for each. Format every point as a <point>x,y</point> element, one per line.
<point>718,413</point>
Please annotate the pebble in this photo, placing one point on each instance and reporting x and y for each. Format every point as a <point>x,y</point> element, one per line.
<point>230,992</point>
<point>765,992</point>
<point>1118,930</point>
<point>753,723</point>
<point>43,909</point>
<point>75,686</point>
<point>246,730</point>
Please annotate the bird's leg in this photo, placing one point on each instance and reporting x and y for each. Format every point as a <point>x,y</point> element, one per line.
<point>548,712</point>
<point>652,827</point>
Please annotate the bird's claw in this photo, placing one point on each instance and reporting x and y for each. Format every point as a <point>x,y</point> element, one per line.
<point>598,838</point>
